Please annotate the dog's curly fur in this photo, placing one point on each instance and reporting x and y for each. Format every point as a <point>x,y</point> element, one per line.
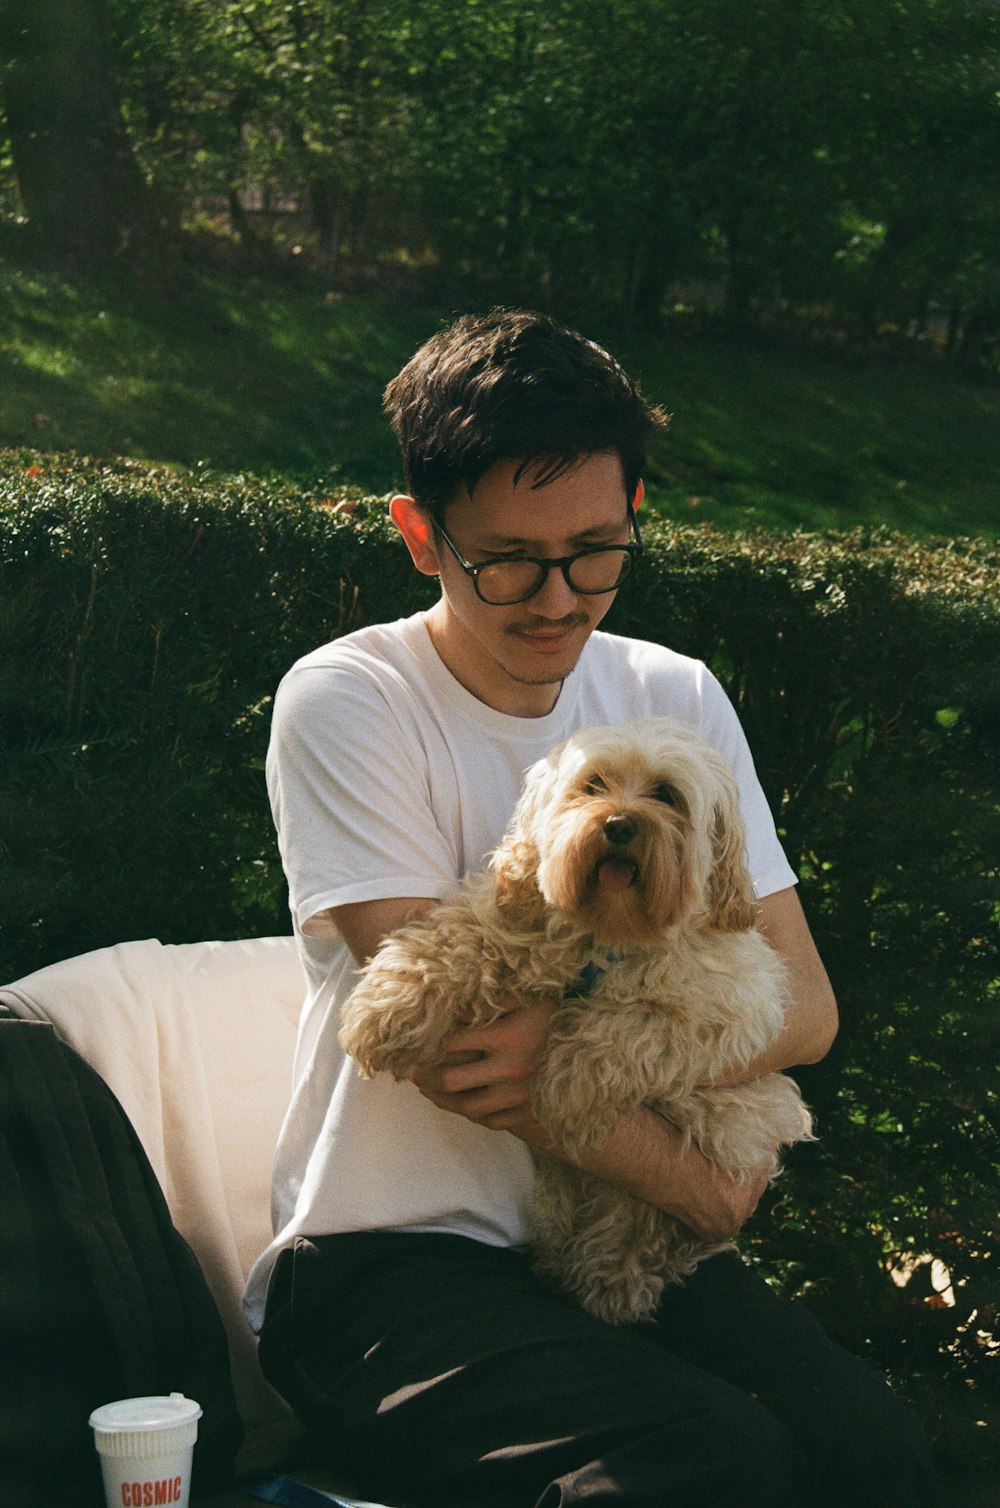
<point>625,854</point>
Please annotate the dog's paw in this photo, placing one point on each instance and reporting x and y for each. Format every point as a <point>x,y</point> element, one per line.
<point>423,983</point>
<point>743,1127</point>
<point>578,1100</point>
<point>392,1030</point>
<point>793,1118</point>
<point>580,1125</point>
<point>366,1036</point>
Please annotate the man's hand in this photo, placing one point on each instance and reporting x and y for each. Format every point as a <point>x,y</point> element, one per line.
<point>487,1072</point>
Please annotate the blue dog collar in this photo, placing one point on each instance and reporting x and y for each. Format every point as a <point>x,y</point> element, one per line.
<point>586,982</point>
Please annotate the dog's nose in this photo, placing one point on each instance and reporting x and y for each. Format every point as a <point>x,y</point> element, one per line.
<point>619,830</point>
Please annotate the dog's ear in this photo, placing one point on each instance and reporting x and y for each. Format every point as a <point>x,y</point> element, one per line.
<point>731,899</point>
<point>515,862</point>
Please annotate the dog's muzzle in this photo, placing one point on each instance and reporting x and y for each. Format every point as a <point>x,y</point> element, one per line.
<point>616,871</point>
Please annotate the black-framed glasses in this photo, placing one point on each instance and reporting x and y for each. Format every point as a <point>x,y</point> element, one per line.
<point>515,578</point>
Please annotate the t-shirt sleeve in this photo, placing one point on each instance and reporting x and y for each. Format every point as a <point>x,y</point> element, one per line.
<point>349,791</point>
<point>769,868</point>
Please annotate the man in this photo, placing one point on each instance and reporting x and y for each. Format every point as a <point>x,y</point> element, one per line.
<point>402,1319</point>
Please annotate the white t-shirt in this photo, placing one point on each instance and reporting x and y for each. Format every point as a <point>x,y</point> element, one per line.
<point>387,778</point>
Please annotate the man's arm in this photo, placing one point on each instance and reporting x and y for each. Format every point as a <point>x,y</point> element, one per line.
<point>363,924</point>
<point>812,1019</point>
<point>488,1075</point>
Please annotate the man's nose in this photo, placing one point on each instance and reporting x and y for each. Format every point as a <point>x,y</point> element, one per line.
<point>555,597</point>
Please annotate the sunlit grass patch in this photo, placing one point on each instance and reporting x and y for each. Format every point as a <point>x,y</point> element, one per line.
<point>246,373</point>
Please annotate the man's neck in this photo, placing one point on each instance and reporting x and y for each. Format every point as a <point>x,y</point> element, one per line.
<point>491,683</point>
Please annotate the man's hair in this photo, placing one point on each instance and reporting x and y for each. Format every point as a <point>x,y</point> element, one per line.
<point>512,385</point>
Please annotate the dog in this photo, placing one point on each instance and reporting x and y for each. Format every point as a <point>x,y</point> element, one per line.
<point>621,889</point>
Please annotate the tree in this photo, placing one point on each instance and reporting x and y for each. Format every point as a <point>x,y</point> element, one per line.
<point>298,104</point>
<point>76,173</point>
<point>924,159</point>
<point>584,154</point>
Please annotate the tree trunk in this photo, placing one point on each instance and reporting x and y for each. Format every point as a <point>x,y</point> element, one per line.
<point>78,180</point>
<point>649,278</point>
<point>325,200</point>
<point>738,279</point>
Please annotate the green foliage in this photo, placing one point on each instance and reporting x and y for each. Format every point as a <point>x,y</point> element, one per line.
<point>148,617</point>
<point>289,98</point>
<point>839,157</point>
<point>146,623</point>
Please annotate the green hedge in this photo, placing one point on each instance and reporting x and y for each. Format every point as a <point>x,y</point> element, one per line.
<point>147,619</point>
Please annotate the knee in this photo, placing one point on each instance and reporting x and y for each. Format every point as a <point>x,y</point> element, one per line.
<point>883,1460</point>
<point>720,1448</point>
<point>732,1451</point>
<point>751,1458</point>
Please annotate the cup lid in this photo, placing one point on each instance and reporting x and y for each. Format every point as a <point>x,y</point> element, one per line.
<point>134,1415</point>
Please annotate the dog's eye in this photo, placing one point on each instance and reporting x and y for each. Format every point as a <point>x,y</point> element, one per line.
<point>595,785</point>
<point>666,794</point>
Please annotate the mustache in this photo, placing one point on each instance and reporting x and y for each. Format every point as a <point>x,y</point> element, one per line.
<point>535,625</point>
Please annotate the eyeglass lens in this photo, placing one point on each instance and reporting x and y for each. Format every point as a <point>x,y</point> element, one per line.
<point>507,581</point>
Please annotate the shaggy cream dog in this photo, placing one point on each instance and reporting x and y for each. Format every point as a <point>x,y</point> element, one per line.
<point>621,888</point>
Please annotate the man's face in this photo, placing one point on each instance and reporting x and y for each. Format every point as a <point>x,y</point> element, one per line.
<point>515,658</point>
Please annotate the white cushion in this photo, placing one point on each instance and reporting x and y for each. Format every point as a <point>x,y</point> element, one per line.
<point>196,1040</point>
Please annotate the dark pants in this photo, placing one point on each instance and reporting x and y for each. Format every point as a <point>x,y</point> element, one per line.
<point>437,1372</point>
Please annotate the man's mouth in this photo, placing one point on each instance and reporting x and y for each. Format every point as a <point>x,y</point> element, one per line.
<point>616,874</point>
<point>548,635</point>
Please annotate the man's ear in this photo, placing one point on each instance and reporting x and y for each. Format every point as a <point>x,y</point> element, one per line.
<point>640,493</point>
<point>414,523</point>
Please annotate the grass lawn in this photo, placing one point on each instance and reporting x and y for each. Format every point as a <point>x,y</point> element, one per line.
<point>244,374</point>
<point>802,439</point>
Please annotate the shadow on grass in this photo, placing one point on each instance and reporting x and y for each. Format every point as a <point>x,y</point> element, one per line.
<point>242,373</point>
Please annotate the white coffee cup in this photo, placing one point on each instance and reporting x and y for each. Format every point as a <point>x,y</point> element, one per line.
<point>146,1446</point>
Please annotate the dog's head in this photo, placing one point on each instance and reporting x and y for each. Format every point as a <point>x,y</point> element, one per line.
<point>630,832</point>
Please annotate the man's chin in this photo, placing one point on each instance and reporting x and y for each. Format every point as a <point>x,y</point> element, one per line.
<point>553,677</point>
